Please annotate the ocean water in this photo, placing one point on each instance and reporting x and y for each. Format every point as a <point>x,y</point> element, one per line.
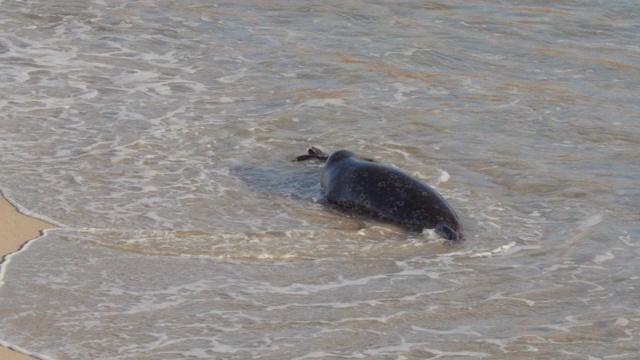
<point>158,136</point>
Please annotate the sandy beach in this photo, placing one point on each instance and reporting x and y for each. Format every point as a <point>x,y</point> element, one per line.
<point>16,230</point>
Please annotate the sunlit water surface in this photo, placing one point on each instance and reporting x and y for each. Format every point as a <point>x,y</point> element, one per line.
<point>159,136</point>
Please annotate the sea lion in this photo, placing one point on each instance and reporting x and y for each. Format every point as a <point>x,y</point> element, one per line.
<point>355,183</point>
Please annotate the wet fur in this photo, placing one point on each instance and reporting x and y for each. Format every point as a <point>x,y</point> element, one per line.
<point>354,183</point>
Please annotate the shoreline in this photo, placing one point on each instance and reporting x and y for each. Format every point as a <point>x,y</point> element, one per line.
<point>17,229</point>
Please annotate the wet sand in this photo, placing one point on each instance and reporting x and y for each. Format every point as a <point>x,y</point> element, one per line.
<point>16,229</point>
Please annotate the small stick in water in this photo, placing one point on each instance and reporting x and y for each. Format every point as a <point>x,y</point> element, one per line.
<point>313,153</point>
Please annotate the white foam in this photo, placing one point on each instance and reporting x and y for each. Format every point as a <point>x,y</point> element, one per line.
<point>599,259</point>
<point>230,79</point>
<point>591,221</point>
<point>322,102</point>
<point>499,250</point>
<point>444,177</point>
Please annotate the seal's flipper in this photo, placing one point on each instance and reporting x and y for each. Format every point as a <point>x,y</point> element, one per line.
<point>447,232</point>
<point>313,153</point>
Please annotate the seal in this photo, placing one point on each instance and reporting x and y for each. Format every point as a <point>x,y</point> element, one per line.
<point>355,183</point>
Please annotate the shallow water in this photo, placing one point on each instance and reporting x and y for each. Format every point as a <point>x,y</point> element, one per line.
<point>159,136</point>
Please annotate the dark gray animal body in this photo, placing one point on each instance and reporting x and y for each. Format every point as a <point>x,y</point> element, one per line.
<point>360,184</point>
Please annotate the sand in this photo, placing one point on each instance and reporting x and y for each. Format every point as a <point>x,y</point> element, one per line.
<point>15,230</point>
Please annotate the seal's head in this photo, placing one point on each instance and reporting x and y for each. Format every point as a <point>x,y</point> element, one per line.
<point>334,159</point>
<point>339,156</point>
